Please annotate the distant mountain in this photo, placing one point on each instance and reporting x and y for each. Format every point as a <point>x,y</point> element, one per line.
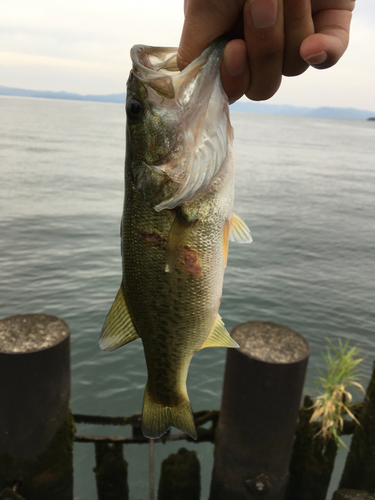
<point>239,106</point>
<point>325,112</point>
<point>10,91</point>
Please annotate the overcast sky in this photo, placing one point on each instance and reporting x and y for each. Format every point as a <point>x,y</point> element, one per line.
<point>83,46</point>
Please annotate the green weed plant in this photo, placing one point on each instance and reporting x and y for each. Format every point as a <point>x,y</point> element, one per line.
<point>334,403</point>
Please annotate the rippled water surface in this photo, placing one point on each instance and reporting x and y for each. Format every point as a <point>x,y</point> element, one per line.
<point>306,188</point>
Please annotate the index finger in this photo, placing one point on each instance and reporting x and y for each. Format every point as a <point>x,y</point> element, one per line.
<point>204,22</point>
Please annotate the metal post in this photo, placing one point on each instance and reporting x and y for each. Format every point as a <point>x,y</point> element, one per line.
<point>261,396</point>
<point>111,471</point>
<point>313,458</point>
<point>36,426</point>
<point>359,471</point>
<point>180,477</point>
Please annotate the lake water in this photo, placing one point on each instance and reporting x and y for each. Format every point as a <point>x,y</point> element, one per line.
<point>305,187</point>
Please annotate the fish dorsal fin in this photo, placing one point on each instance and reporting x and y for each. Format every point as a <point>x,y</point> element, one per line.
<point>239,231</point>
<point>178,234</point>
<point>118,328</point>
<point>219,336</point>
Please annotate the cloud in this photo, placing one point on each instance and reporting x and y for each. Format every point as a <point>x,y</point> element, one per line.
<point>79,45</point>
<point>83,46</point>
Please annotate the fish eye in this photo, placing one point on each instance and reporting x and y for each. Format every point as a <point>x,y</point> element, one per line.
<point>134,108</point>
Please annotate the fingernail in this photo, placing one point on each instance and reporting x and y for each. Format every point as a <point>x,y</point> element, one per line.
<point>235,60</point>
<point>316,59</point>
<point>263,13</point>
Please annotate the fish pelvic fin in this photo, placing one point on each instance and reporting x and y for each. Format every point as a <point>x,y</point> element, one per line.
<point>219,336</point>
<point>118,328</point>
<point>157,419</point>
<point>239,231</point>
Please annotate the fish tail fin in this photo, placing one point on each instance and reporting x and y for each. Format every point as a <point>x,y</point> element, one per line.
<point>157,418</point>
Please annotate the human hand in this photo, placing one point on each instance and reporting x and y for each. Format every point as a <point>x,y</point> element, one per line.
<point>268,39</point>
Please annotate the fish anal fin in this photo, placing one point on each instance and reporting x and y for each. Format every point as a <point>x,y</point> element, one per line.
<point>239,231</point>
<point>219,336</point>
<point>178,234</point>
<point>157,418</point>
<point>118,328</point>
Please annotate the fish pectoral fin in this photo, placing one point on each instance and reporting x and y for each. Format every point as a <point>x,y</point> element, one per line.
<point>157,419</point>
<point>219,336</point>
<point>178,234</point>
<point>239,231</point>
<point>118,328</point>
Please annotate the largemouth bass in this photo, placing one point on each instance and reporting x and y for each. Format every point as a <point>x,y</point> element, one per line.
<point>177,220</point>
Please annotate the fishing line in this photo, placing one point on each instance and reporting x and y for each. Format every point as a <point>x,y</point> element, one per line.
<point>151,469</point>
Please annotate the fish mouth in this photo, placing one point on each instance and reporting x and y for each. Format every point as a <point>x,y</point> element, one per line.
<point>157,67</point>
<point>153,66</point>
